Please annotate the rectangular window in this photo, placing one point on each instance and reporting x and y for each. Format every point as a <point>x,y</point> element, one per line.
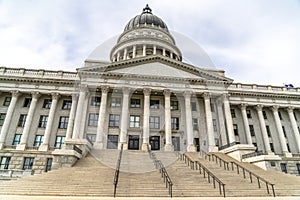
<point>115,102</point>
<point>95,101</point>
<point>235,129</point>
<point>295,116</point>
<point>17,139</point>
<point>67,104</point>
<point>280,116</point>
<point>298,168</point>
<point>27,102</point>
<point>288,147</point>
<point>268,131</point>
<point>43,121</point>
<point>252,132</point>
<point>93,119</point>
<point>194,106</point>
<point>134,121</point>
<point>212,107</point>
<point>38,140</point>
<point>174,105</point>
<point>232,113</point>
<point>47,103</point>
<point>48,164</point>
<point>2,118</point>
<point>28,163</point>
<point>154,104</point>
<point>22,120</point>
<point>135,103</point>
<point>284,132</point>
<point>215,125</point>
<point>249,114</point>
<point>283,167</point>
<point>4,162</point>
<point>265,114</point>
<point>63,122</point>
<point>195,124</point>
<point>272,147</point>
<point>114,120</point>
<point>154,122</point>
<point>6,101</point>
<point>175,123</point>
<point>59,141</point>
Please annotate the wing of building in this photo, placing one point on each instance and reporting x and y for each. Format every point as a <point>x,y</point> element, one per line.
<point>145,97</point>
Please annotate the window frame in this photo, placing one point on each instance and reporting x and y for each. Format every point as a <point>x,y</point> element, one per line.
<point>17,139</point>
<point>27,102</point>
<point>48,164</point>
<point>28,163</point>
<point>155,123</point>
<point>135,103</point>
<point>252,131</point>
<point>63,122</point>
<point>4,162</point>
<point>268,131</point>
<point>95,101</point>
<point>22,120</point>
<point>43,121</point>
<point>193,106</point>
<point>115,102</point>
<point>154,104</point>
<point>59,141</point>
<point>114,121</point>
<point>174,105</point>
<point>38,140</point>
<point>134,121</point>
<point>248,112</point>
<point>66,105</point>
<point>195,124</point>
<point>174,123</point>
<point>7,101</point>
<point>2,118</point>
<point>232,112</point>
<point>47,103</point>
<point>93,119</point>
<point>235,130</point>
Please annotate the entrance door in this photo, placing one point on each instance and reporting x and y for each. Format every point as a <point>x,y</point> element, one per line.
<point>176,143</point>
<point>155,142</point>
<point>133,143</point>
<point>112,141</point>
<point>196,142</point>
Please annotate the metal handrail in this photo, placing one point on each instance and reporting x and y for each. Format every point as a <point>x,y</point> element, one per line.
<point>205,171</point>
<point>239,167</point>
<point>116,178</point>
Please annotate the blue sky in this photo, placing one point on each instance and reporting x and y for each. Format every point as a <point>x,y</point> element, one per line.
<point>254,41</point>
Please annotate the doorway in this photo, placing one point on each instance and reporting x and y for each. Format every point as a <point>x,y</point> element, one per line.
<point>176,143</point>
<point>134,142</point>
<point>155,143</point>
<point>197,144</point>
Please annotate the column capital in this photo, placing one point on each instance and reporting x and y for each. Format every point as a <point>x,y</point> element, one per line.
<point>226,96</point>
<point>125,90</point>
<point>290,109</point>
<point>167,92</point>
<point>55,96</point>
<point>83,88</point>
<point>187,94</point>
<point>104,89</point>
<point>259,107</point>
<point>15,93</point>
<point>206,95</point>
<point>35,95</point>
<point>74,96</point>
<point>147,91</point>
<point>243,105</point>
<point>275,108</point>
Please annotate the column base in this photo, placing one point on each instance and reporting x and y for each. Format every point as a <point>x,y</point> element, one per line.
<point>21,147</point>
<point>213,149</point>
<point>169,147</point>
<point>145,147</point>
<point>191,148</point>
<point>44,147</point>
<point>2,145</point>
<point>125,145</point>
<point>98,145</point>
<point>288,154</point>
<point>237,151</point>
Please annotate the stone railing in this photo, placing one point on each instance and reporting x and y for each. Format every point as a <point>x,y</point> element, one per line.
<point>37,73</point>
<point>265,88</point>
<point>254,154</point>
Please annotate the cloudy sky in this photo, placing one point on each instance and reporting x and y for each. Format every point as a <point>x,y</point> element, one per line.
<point>254,41</point>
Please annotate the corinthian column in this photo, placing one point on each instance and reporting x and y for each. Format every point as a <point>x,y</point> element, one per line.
<point>228,119</point>
<point>189,128</point>
<point>294,127</point>
<point>124,118</point>
<point>146,128</point>
<point>8,117</point>
<point>209,124</point>
<point>168,133</point>
<point>263,129</point>
<point>246,123</point>
<point>282,139</point>
<point>71,117</point>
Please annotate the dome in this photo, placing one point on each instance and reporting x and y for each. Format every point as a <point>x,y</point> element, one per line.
<point>146,18</point>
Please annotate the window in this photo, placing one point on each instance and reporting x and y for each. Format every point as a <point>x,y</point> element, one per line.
<point>268,131</point>
<point>2,118</point>
<point>27,102</point>
<point>22,120</point>
<point>215,125</point>
<point>252,132</point>
<point>232,113</point>
<point>154,104</point>
<point>273,164</point>
<point>28,163</point>
<point>272,147</point>
<point>93,119</point>
<point>283,167</point>
<point>235,129</point>
<point>288,147</point>
<point>194,106</point>
<point>295,116</point>
<point>63,122</point>
<point>43,121</point>
<point>195,124</point>
<point>6,101</point>
<point>38,140</point>
<point>4,162</point>
<point>174,105</point>
<point>47,103</point>
<point>59,141</point>
<point>16,140</point>
<point>298,168</point>
<point>135,103</point>
<point>95,101</point>
<point>115,102</point>
<point>280,116</point>
<point>114,120</point>
<point>154,122</point>
<point>48,165</point>
<point>265,114</point>
<point>67,104</point>
<point>212,107</point>
<point>134,121</point>
<point>249,114</point>
<point>175,123</point>
<point>284,132</point>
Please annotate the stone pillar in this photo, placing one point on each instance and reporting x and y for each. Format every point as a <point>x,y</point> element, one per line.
<point>221,122</point>
<point>278,124</point>
<point>146,129</point>
<point>228,119</point>
<point>154,50</point>
<point>28,123</point>
<point>45,145</point>
<point>246,124</point>
<point>134,51</point>
<point>79,110</point>
<point>144,50</point>
<point>171,55</point>
<point>263,129</point>
<point>164,52</point>
<point>209,125</point>
<point>8,118</point>
<point>71,117</point>
<point>189,124</point>
<point>290,111</point>
<point>118,56</point>
<point>125,54</point>
<point>168,132</point>
<point>101,120</point>
<point>124,118</point>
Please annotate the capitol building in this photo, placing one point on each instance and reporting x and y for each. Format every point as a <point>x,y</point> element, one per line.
<point>145,98</point>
